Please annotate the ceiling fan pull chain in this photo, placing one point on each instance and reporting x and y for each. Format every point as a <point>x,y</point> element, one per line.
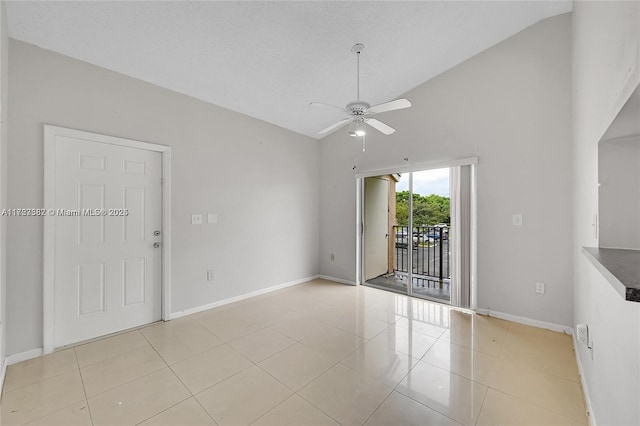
<point>363,143</point>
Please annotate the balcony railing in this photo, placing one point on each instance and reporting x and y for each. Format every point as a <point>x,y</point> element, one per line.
<point>430,266</point>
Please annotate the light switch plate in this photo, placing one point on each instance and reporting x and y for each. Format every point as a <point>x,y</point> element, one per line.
<point>516,219</point>
<point>196,219</point>
<point>212,218</point>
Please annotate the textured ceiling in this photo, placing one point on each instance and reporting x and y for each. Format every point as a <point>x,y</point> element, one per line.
<point>270,59</point>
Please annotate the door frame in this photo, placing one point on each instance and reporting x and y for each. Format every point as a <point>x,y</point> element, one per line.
<point>48,251</point>
<point>406,168</point>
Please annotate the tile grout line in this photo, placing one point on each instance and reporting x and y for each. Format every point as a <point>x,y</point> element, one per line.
<point>168,408</point>
<point>66,406</point>
<point>295,392</point>
<point>536,405</point>
<point>179,379</point>
<point>56,411</point>
<point>204,409</point>
<point>378,407</point>
<point>102,340</point>
<point>527,401</point>
<point>541,371</point>
<point>128,381</point>
<point>84,390</point>
<point>395,389</point>
<point>484,398</point>
<point>190,357</point>
<point>224,380</point>
<point>312,404</point>
<point>217,383</point>
<point>346,366</point>
<point>4,391</point>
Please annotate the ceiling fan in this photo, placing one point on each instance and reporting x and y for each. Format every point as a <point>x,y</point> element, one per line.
<point>360,112</point>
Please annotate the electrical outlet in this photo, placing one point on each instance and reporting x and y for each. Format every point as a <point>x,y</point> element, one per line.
<point>210,275</point>
<point>196,219</point>
<point>540,288</point>
<point>582,331</point>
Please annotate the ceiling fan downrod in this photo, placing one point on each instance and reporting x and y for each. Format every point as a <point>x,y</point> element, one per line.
<point>357,49</point>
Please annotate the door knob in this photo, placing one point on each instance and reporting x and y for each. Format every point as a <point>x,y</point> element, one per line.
<point>156,245</point>
<point>156,233</point>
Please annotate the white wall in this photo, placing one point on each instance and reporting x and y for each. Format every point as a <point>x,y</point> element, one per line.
<point>606,49</point>
<point>619,193</point>
<point>509,106</point>
<point>261,180</point>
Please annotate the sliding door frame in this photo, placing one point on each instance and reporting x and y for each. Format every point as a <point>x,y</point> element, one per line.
<point>411,168</point>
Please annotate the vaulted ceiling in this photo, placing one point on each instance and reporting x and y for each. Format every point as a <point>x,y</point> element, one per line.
<point>270,59</point>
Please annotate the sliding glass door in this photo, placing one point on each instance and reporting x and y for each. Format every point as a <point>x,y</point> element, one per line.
<point>416,233</point>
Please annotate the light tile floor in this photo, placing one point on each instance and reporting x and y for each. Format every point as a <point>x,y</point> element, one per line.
<point>315,354</point>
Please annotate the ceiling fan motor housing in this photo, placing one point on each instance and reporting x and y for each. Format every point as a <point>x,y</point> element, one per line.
<point>357,108</point>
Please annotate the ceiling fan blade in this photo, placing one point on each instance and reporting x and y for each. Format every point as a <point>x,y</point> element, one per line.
<point>323,105</point>
<point>380,126</point>
<point>389,106</point>
<point>335,126</point>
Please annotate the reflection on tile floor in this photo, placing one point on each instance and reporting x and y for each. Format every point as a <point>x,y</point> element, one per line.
<point>421,287</point>
<point>320,353</point>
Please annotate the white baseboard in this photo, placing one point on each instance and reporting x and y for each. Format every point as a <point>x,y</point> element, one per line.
<point>218,303</point>
<point>585,388</point>
<point>527,321</point>
<point>338,280</point>
<point>23,356</point>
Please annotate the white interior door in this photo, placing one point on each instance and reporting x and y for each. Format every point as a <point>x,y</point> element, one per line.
<point>376,227</point>
<point>107,272</point>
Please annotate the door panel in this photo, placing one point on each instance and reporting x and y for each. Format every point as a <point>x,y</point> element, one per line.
<point>91,289</point>
<point>134,222</point>
<point>133,281</point>
<point>107,274</point>
<point>91,228</point>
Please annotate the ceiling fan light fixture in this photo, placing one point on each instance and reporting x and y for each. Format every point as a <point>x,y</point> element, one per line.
<point>357,129</point>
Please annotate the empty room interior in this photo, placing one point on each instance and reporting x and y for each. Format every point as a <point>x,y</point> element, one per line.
<point>320,213</point>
